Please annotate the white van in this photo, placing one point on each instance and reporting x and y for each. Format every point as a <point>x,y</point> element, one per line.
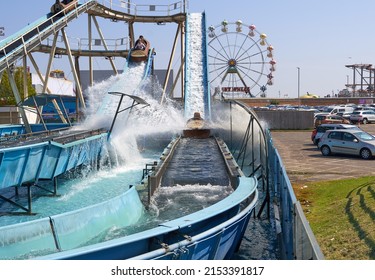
<point>342,109</point>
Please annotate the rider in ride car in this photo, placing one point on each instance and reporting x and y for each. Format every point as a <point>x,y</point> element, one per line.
<point>140,44</point>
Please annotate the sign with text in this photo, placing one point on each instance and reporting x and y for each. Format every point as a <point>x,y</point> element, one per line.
<point>236,89</point>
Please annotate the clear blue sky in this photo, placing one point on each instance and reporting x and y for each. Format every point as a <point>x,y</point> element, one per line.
<point>320,36</point>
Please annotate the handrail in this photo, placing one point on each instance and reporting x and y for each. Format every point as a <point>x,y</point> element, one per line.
<point>155,178</point>
<point>48,135</point>
<point>150,9</point>
<point>28,38</point>
<point>296,238</point>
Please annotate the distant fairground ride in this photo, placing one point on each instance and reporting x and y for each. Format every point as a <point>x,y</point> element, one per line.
<point>240,59</point>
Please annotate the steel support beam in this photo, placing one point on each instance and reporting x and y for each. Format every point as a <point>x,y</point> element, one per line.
<point>78,85</point>
<point>17,96</point>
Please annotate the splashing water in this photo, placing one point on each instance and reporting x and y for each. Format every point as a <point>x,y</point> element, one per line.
<point>140,122</point>
<point>186,199</point>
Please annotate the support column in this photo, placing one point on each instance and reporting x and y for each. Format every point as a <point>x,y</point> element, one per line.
<point>183,58</point>
<point>131,34</point>
<point>104,43</point>
<point>91,73</point>
<point>17,96</point>
<point>25,76</point>
<point>76,80</point>
<point>55,104</point>
<point>29,199</point>
<point>76,62</point>
<point>170,65</point>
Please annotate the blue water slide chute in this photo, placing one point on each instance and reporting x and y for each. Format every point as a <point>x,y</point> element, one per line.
<point>191,61</point>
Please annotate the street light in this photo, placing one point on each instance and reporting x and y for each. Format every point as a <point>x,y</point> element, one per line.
<point>299,79</point>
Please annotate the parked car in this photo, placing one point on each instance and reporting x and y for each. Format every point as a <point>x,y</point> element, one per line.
<point>362,116</point>
<point>345,115</point>
<point>317,133</point>
<point>321,119</point>
<point>342,109</point>
<point>349,142</point>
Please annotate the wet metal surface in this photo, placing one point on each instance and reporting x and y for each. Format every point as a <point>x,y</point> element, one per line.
<point>196,161</point>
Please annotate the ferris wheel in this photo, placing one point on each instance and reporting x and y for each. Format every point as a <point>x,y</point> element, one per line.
<point>240,60</point>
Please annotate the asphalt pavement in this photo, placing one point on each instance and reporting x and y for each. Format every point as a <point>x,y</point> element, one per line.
<point>305,163</point>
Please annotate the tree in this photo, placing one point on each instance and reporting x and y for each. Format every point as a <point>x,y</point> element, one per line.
<point>6,93</point>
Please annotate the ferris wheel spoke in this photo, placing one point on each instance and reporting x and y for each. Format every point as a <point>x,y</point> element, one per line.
<point>218,65</point>
<point>247,50</point>
<point>248,63</point>
<point>245,75</point>
<point>259,62</point>
<point>219,59</point>
<point>220,69</point>
<point>252,74</point>
<point>229,45</point>
<point>256,71</point>
<point>219,75</point>
<point>235,53</point>
<point>251,56</point>
<point>243,43</point>
<point>220,53</point>
<point>223,48</point>
<point>251,78</point>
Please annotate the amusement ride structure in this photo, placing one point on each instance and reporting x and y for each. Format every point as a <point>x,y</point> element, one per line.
<point>363,80</point>
<point>213,146</point>
<point>241,60</point>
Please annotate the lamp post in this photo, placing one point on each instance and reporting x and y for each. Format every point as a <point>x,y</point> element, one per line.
<point>299,79</point>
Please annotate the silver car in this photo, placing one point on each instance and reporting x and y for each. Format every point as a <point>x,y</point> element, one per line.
<point>363,116</point>
<point>321,129</point>
<point>349,142</point>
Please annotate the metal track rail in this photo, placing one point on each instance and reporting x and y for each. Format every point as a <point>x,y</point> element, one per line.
<point>15,48</point>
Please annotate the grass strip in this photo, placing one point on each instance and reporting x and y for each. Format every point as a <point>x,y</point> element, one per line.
<point>341,214</point>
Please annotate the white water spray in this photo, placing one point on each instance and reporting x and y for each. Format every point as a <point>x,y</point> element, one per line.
<point>144,122</point>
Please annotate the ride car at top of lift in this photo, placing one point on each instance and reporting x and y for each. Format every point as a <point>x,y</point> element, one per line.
<point>68,5</point>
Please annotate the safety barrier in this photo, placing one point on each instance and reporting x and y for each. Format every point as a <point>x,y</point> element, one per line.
<point>69,230</point>
<point>297,238</point>
<point>251,144</point>
<point>25,160</point>
<point>155,178</point>
<point>146,9</point>
<point>211,233</point>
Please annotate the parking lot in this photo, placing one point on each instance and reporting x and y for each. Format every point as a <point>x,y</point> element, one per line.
<point>305,163</point>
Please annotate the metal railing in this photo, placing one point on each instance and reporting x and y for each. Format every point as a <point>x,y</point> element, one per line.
<point>96,43</point>
<point>255,153</point>
<point>14,47</point>
<point>155,178</point>
<point>146,9</point>
<point>297,239</point>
